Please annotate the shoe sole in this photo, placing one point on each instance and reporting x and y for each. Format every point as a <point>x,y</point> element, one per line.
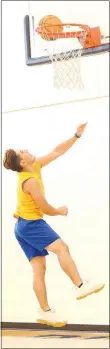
<point>91,292</point>
<point>49,323</point>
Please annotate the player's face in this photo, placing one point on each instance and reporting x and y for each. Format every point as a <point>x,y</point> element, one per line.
<point>26,157</point>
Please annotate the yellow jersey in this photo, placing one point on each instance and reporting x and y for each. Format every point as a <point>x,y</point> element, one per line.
<point>26,206</point>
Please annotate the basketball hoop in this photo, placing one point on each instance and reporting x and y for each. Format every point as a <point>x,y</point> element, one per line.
<point>65,53</point>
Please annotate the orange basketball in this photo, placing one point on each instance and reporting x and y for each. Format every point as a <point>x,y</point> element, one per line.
<point>50,21</point>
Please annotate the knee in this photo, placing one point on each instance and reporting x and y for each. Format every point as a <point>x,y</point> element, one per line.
<point>63,248</point>
<point>39,271</point>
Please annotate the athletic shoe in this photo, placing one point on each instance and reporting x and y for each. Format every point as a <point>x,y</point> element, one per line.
<point>87,289</point>
<point>50,318</point>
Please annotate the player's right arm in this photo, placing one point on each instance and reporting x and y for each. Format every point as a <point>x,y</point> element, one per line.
<point>32,187</point>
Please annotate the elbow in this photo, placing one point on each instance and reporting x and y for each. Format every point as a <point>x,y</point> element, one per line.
<point>43,208</point>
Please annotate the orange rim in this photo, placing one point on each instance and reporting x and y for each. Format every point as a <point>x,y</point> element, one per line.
<point>72,34</point>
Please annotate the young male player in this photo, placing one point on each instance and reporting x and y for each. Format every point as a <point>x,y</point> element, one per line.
<point>34,235</point>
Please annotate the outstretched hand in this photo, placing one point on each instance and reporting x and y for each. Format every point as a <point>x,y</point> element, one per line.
<point>80,129</point>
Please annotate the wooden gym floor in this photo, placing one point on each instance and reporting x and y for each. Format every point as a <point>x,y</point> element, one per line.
<point>54,338</point>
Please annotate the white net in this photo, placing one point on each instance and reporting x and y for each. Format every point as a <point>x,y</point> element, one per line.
<point>65,56</point>
<point>67,71</point>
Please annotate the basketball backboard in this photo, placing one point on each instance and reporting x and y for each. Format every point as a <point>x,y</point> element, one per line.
<point>94,14</point>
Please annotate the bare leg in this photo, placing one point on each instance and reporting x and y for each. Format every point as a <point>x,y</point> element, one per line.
<point>67,264</point>
<point>39,267</point>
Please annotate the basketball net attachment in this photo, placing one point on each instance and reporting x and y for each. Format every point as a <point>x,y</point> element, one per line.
<point>64,48</point>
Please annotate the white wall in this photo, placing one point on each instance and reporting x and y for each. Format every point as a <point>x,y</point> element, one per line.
<point>79,179</point>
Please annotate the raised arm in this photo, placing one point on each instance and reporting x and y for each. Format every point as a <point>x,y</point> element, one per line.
<point>32,187</point>
<point>61,148</point>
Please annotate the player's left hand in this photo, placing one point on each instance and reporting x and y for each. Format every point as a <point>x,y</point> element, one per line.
<point>81,129</point>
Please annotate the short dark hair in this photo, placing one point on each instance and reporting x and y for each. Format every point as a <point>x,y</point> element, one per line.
<point>11,161</point>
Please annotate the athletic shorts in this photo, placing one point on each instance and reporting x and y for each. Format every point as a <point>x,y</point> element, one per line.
<point>34,236</point>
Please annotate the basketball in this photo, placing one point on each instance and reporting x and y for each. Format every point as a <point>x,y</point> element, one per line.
<point>52,24</point>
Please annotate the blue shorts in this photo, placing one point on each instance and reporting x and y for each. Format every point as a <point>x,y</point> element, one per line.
<point>34,236</point>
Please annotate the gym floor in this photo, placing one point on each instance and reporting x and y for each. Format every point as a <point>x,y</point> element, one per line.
<point>54,339</point>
